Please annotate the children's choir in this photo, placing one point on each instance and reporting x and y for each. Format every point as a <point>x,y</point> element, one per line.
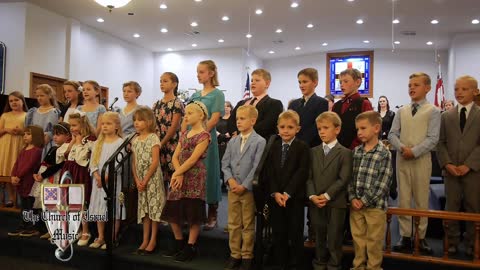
<point>332,156</point>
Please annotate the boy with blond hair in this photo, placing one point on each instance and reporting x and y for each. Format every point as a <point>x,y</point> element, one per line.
<point>414,133</point>
<point>368,192</point>
<point>268,108</point>
<point>238,165</point>
<point>330,173</point>
<point>458,153</point>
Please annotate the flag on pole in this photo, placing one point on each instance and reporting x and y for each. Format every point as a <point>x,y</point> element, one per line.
<point>439,89</point>
<point>246,92</point>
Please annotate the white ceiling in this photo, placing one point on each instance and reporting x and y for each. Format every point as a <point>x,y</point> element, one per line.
<point>334,22</point>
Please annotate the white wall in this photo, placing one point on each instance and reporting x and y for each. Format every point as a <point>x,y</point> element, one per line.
<point>464,57</point>
<point>230,64</point>
<point>12,29</point>
<point>391,73</point>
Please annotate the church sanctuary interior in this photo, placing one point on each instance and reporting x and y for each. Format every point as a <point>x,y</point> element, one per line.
<point>144,61</point>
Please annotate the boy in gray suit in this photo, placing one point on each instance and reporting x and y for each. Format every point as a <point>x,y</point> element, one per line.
<point>458,153</point>
<point>329,176</point>
<point>238,165</point>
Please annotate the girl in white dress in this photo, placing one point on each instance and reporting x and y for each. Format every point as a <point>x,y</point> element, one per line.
<point>107,143</point>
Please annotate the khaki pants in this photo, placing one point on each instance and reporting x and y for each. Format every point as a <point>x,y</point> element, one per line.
<point>413,183</point>
<point>241,224</point>
<point>368,232</point>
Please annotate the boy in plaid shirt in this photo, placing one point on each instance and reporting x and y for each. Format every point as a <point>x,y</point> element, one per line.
<point>368,192</point>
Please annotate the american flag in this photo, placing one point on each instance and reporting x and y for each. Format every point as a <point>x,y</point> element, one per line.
<point>439,89</point>
<point>246,92</point>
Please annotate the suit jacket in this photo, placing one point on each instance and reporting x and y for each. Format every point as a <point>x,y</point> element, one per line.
<point>242,165</point>
<point>308,113</point>
<point>268,111</point>
<point>292,176</point>
<point>330,174</point>
<point>456,147</point>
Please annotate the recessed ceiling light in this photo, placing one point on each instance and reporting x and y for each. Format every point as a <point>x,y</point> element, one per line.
<point>297,48</point>
<point>164,30</point>
<point>258,11</point>
<point>271,52</point>
<point>309,25</point>
<point>100,20</point>
<point>294,5</point>
<point>429,43</point>
<point>396,42</point>
<point>136,35</point>
<point>351,0</point>
<point>194,24</point>
<point>324,44</point>
<point>221,40</point>
<point>248,35</point>
<point>194,45</point>
<point>366,41</point>
<point>163,6</point>
<point>225,18</point>
<point>278,30</point>
<point>396,21</point>
<point>169,49</point>
<point>434,21</point>
<point>198,0</point>
<point>359,21</point>
<point>475,21</point>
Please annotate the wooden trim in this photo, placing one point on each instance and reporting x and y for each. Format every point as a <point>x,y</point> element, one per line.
<point>43,76</point>
<point>344,54</point>
<point>446,215</point>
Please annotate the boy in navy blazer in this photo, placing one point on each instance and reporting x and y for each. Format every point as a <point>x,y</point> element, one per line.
<point>238,165</point>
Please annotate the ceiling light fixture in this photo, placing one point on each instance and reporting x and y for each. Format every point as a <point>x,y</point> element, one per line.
<point>429,43</point>
<point>248,35</point>
<point>136,35</point>
<point>169,49</point>
<point>258,11</point>
<point>221,40</point>
<point>351,0</point>
<point>225,18</point>
<point>111,4</point>
<point>309,25</point>
<point>194,24</point>
<point>366,41</point>
<point>396,42</point>
<point>475,21</point>
<point>297,48</point>
<point>396,21</point>
<point>434,21</point>
<point>198,0</point>
<point>271,52</point>
<point>194,45</point>
<point>278,30</point>
<point>164,30</point>
<point>163,6</point>
<point>100,20</point>
<point>359,21</point>
<point>294,5</point>
<point>324,44</point>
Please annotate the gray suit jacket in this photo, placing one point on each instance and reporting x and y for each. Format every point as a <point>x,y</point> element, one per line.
<point>242,165</point>
<point>330,174</point>
<point>456,147</point>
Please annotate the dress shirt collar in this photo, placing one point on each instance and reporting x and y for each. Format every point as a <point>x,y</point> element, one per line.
<point>330,145</point>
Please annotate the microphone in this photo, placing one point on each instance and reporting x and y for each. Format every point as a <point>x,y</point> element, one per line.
<point>114,100</point>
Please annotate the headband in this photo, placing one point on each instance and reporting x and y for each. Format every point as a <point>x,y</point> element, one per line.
<point>62,126</point>
<point>199,104</point>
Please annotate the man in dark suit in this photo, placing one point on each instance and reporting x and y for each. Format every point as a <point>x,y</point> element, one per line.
<point>330,173</point>
<point>268,108</point>
<point>284,174</point>
<point>309,106</point>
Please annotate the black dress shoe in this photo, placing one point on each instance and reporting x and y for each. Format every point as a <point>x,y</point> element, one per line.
<point>424,247</point>
<point>404,244</point>
<point>187,254</point>
<point>232,264</point>
<point>149,252</point>
<point>247,264</point>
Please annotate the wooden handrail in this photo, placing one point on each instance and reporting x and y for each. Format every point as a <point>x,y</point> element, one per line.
<point>434,214</point>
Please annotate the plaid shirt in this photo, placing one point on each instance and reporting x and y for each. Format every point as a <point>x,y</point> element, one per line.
<point>372,175</point>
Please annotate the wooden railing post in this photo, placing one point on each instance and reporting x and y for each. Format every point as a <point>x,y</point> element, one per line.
<point>477,243</point>
<point>388,244</point>
<point>445,239</point>
<point>416,250</point>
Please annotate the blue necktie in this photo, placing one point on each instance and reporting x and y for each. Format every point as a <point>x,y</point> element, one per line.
<point>284,153</point>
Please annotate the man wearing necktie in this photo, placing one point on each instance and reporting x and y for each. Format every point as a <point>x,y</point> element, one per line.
<point>458,153</point>
<point>414,133</point>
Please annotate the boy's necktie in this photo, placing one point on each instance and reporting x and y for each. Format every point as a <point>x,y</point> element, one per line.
<point>303,101</point>
<point>326,150</point>
<point>463,118</point>
<point>242,144</point>
<point>252,102</point>
<point>284,153</point>
<point>414,108</point>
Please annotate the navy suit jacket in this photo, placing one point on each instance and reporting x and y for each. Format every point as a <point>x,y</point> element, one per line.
<point>242,165</point>
<point>308,113</point>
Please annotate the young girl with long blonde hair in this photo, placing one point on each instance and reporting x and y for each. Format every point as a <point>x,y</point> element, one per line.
<point>91,103</point>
